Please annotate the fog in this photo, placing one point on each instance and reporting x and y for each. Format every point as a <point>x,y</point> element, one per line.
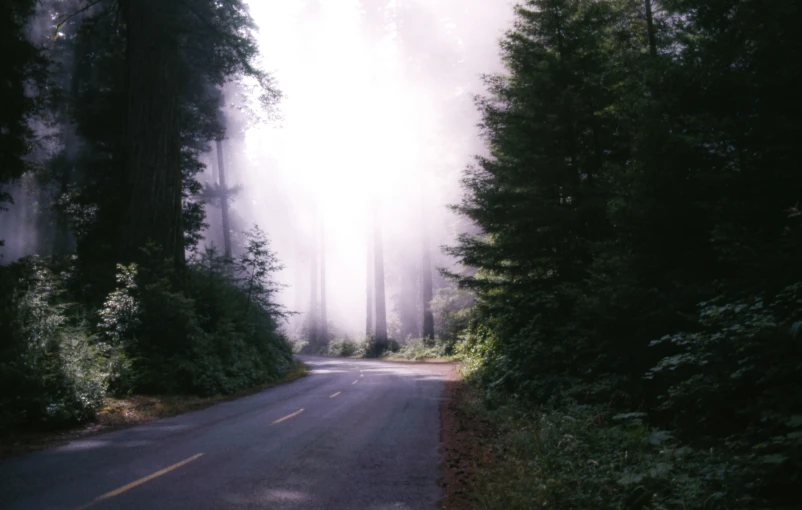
<point>377,123</point>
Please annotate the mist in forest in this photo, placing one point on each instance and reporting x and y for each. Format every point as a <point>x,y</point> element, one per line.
<point>374,127</point>
<point>376,124</point>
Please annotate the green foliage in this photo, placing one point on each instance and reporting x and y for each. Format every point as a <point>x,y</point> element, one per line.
<point>217,335</point>
<point>420,349</point>
<point>587,457</point>
<point>745,352</point>
<point>23,70</point>
<point>622,189</point>
<point>452,309</point>
<point>346,348</point>
<point>53,370</point>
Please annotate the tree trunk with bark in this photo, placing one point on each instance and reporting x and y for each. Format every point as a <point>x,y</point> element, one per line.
<point>221,176</point>
<point>427,292</point>
<point>369,276</point>
<point>313,304</point>
<point>381,313</point>
<point>152,169</point>
<point>324,321</point>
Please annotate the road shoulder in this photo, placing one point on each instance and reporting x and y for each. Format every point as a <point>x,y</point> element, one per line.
<point>465,450</point>
<point>120,414</point>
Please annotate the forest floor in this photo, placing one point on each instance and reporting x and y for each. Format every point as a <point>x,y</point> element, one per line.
<point>120,413</point>
<point>465,447</point>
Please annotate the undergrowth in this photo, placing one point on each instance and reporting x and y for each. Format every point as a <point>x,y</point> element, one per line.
<point>409,349</point>
<point>67,345</point>
<point>587,457</point>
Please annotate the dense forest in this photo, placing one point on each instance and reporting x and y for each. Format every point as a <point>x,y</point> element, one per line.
<point>626,293</point>
<point>637,275</point>
<point>107,107</point>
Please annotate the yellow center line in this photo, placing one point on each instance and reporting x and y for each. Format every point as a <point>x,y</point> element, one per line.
<point>124,488</point>
<point>296,413</point>
<point>332,396</point>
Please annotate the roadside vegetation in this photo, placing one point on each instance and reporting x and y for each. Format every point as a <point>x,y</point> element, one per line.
<point>410,349</point>
<point>635,341</point>
<point>63,357</point>
<point>120,298</point>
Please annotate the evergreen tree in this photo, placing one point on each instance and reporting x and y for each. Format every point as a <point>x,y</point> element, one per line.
<point>23,66</point>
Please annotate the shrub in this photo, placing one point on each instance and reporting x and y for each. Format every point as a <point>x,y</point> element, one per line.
<point>746,352</point>
<point>52,370</point>
<point>217,335</point>
<point>588,457</point>
<point>345,347</point>
<point>452,308</point>
<point>419,348</point>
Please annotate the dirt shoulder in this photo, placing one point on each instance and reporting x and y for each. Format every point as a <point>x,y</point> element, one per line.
<point>465,449</point>
<point>121,413</point>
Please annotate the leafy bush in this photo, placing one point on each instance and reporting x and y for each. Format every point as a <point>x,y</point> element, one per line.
<point>345,347</point>
<point>52,370</point>
<point>419,348</point>
<point>589,457</point>
<point>297,344</point>
<point>746,352</point>
<point>214,333</point>
<point>217,336</point>
<point>452,308</point>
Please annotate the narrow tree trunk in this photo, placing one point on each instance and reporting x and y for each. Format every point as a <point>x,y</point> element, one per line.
<point>369,276</point>
<point>296,319</point>
<point>381,313</point>
<point>427,293</point>
<point>650,29</point>
<point>324,324</point>
<point>313,303</point>
<point>152,171</point>
<point>221,175</point>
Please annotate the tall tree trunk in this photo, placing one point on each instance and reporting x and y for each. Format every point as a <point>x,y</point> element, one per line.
<point>152,171</point>
<point>381,312</point>
<point>296,319</point>
<point>650,29</point>
<point>427,292</point>
<point>369,276</point>
<point>324,321</point>
<point>221,175</point>
<point>313,304</point>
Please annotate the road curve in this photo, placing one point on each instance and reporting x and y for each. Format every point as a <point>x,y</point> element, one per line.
<point>353,434</point>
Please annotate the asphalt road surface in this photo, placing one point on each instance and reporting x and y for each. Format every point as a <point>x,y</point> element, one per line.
<point>353,434</point>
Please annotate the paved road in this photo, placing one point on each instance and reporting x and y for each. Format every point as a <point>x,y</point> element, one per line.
<point>353,434</point>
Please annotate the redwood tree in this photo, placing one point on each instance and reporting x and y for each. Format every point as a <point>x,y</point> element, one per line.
<point>152,161</point>
<point>378,273</point>
<point>369,302</point>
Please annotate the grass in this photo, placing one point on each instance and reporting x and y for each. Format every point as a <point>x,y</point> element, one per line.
<point>118,413</point>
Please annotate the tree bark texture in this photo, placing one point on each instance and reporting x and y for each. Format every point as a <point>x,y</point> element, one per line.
<point>324,321</point>
<point>370,303</point>
<point>313,304</point>
<point>221,175</point>
<point>381,312</point>
<point>427,292</point>
<point>152,168</point>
